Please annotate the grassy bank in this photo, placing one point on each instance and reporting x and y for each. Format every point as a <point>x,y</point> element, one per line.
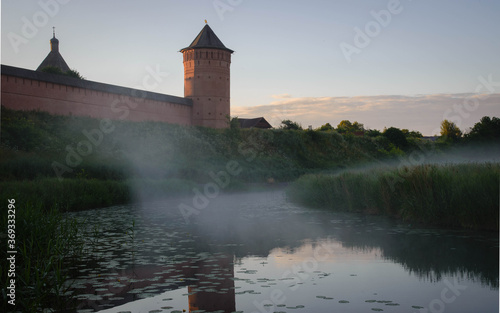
<point>75,163</point>
<point>464,195</point>
<point>45,243</point>
<point>50,164</point>
<point>81,194</point>
<point>32,141</point>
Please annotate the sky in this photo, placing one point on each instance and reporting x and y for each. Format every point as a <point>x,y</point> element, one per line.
<point>401,63</point>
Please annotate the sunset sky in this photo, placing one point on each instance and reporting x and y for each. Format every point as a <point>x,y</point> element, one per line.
<point>408,64</point>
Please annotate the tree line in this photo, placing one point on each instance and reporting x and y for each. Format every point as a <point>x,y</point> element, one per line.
<point>487,129</point>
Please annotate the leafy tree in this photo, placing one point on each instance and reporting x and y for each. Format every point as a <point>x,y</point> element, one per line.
<point>373,133</point>
<point>396,137</point>
<point>233,122</point>
<point>486,129</point>
<point>74,74</point>
<point>290,125</point>
<point>326,127</point>
<point>358,126</point>
<point>346,126</point>
<point>412,134</point>
<point>416,134</point>
<point>52,70</point>
<point>450,130</point>
<point>56,70</point>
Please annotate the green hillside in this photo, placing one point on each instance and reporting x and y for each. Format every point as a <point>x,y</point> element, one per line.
<point>76,163</point>
<point>53,158</point>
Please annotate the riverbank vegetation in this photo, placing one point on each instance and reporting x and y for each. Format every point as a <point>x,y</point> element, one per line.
<point>449,195</point>
<point>74,163</point>
<point>45,244</point>
<point>51,164</point>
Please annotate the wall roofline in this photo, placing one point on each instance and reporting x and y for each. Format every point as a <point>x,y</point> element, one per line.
<point>87,84</point>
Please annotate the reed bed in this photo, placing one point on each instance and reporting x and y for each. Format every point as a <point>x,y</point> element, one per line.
<point>82,194</point>
<point>450,195</point>
<point>45,244</point>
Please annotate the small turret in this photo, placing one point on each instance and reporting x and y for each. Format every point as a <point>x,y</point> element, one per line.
<point>54,58</point>
<point>54,42</point>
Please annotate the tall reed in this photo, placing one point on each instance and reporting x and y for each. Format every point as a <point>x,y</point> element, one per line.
<point>45,242</point>
<point>81,194</point>
<point>453,195</point>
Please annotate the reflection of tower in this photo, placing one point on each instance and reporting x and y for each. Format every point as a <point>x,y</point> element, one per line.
<point>206,79</point>
<point>214,288</point>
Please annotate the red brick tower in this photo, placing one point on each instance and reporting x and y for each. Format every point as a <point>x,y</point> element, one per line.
<point>207,79</point>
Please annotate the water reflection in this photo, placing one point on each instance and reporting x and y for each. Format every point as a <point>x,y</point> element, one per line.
<point>213,288</point>
<point>209,282</point>
<point>260,234</point>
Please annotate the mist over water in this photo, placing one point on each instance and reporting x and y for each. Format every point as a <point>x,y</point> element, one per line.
<point>257,252</point>
<point>478,153</point>
<point>244,249</point>
<point>473,153</point>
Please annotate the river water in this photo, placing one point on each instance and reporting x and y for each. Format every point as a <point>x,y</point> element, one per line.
<point>256,252</point>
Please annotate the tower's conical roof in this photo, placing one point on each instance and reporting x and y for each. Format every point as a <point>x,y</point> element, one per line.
<point>54,58</point>
<point>207,39</point>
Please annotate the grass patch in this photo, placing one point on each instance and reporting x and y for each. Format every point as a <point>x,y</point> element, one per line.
<point>45,243</point>
<point>82,194</point>
<point>463,195</point>
<point>66,195</point>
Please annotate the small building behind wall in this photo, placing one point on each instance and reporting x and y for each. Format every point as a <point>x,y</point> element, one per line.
<point>258,122</point>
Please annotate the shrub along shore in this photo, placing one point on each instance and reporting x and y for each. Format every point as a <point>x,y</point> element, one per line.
<point>450,195</point>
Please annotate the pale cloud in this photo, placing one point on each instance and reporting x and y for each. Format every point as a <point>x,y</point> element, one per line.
<point>281,96</point>
<point>420,112</point>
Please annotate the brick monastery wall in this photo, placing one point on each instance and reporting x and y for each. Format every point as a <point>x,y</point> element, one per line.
<point>23,89</point>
